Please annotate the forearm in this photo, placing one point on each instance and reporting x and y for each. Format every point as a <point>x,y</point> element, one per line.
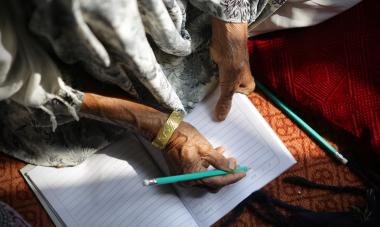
<point>143,119</point>
<point>229,44</point>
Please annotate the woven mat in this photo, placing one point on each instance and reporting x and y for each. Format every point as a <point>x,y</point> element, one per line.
<point>312,164</point>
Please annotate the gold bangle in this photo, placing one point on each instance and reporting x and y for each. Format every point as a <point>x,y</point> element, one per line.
<point>167,130</point>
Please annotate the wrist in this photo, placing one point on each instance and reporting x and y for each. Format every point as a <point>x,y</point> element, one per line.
<point>151,130</point>
<point>234,69</point>
<point>229,44</point>
<point>179,132</point>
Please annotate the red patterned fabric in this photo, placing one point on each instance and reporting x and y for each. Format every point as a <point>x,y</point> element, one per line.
<point>331,70</point>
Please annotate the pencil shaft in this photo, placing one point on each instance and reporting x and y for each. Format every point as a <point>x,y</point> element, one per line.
<point>301,123</point>
<point>197,175</point>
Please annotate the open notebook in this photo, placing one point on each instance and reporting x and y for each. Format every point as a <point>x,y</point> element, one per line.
<point>107,189</point>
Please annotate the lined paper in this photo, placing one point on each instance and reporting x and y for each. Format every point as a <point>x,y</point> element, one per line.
<point>246,136</point>
<point>106,190</point>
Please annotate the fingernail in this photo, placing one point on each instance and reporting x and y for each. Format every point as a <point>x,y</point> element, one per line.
<point>232,165</point>
<point>221,117</point>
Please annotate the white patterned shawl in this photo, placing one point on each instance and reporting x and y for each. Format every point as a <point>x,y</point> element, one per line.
<point>92,32</point>
<point>154,46</point>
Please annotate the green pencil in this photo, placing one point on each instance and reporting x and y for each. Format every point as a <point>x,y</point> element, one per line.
<point>192,176</point>
<point>301,123</point>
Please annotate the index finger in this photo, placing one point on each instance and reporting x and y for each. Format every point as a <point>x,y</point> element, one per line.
<point>221,181</point>
<point>223,105</point>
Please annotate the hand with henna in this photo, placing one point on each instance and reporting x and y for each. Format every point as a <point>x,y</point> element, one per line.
<point>229,51</point>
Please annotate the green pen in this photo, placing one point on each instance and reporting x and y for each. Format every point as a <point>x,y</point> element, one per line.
<point>301,123</point>
<point>192,176</point>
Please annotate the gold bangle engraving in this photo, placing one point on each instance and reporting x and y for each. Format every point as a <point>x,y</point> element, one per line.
<point>167,130</point>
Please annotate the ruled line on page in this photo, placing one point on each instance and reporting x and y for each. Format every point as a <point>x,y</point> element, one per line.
<point>118,199</point>
<point>245,136</point>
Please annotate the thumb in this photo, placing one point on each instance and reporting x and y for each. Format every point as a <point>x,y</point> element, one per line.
<point>223,106</point>
<point>217,160</point>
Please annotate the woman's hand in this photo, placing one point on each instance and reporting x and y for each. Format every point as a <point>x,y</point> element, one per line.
<point>229,51</point>
<point>188,151</point>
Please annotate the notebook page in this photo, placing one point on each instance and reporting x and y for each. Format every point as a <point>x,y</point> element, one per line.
<point>247,137</point>
<point>107,190</point>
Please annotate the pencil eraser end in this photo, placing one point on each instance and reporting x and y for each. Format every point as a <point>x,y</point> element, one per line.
<point>146,182</point>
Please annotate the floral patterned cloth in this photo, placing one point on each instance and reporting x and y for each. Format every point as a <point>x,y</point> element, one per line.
<point>157,47</point>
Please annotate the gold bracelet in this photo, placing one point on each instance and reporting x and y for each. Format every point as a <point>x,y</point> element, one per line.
<point>167,130</point>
